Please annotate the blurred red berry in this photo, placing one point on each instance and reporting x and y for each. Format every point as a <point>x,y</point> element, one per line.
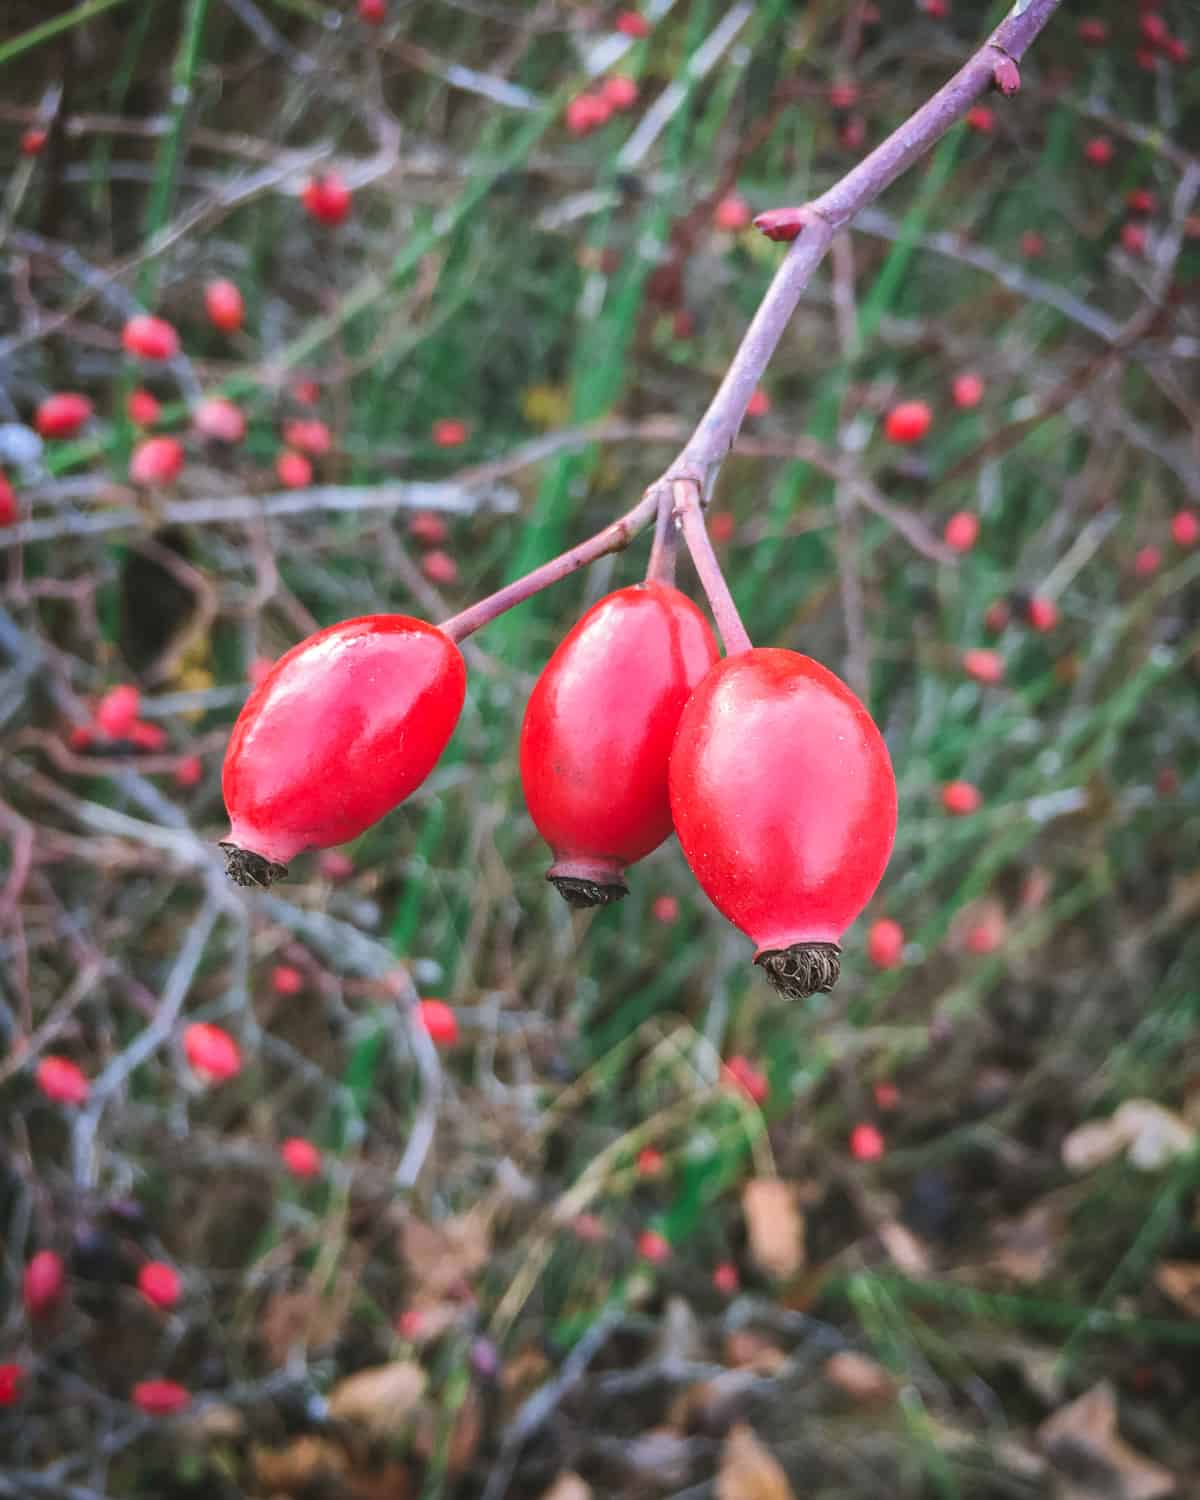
<point>962,531</point>
<point>307,392</point>
<point>285,980</point>
<point>219,419</point>
<point>373,12</point>
<point>1176,50</point>
<point>585,113</point>
<point>866,1143</point>
<point>62,1080</point>
<point>1147,561</point>
<point>439,1021</point>
<point>967,389</point>
<point>44,1284</point>
<point>653,1246</point>
<point>428,528</point>
<point>782,224</point>
<point>224,305</point>
<point>725,1278</point>
<point>160,1284</point>
<point>439,567</point>
<point>143,408</point>
<point>300,1157</point>
<point>885,943</point>
<point>852,132</point>
<point>12,1377</point>
<point>996,616</point>
<point>843,94</point>
<point>1166,781</point>
<point>908,422</point>
<point>62,415</point>
<point>335,864</point>
<point>212,1052</point>
<point>80,737</point>
<point>632,23</point>
<point>449,432</point>
<point>721,525</point>
<point>150,338</point>
<point>980,118</point>
<point>665,909</point>
<point>308,435</point>
<point>33,142</point>
<point>1093,32</point>
<point>161,1398</point>
<point>732,212</point>
<point>886,1095</point>
<point>983,665</point>
<point>1140,201</point>
<point>1134,239</point>
<point>759,404</point>
<point>741,1073</point>
<point>590,1229</point>
<point>156,460</point>
<point>117,711</point>
<point>411,1324</point>
<point>620,92</point>
<point>1146,59</point>
<point>1153,28</point>
<point>1033,246</point>
<point>1099,151</point>
<point>145,736</point>
<point>327,199</point>
<point>986,933</point>
<point>650,1163</point>
<point>960,798</point>
<point>938,9</point>
<point>293,470</point>
<point>683,325</point>
<point>1185,528</point>
<point>189,770</point>
<point>8,502</point>
<point>1042,613</point>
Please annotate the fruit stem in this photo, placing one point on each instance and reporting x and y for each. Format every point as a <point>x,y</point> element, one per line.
<point>665,547</point>
<point>695,534</point>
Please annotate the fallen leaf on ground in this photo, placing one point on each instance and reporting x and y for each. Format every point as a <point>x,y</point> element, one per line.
<point>1148,1133</point>
<point>383,1397</point>
<point>749,1470</point>
<point>568,1486</point>
<point>300,1320</point>
<point>1082,1442</point>
<point>905,1250</point>
<point>1026,1248</point>
<point>775,1226</point>
<point>859,1377</point>
<point>444,1257</point>
<point>1180,1280</point>
<point>303,1462</point>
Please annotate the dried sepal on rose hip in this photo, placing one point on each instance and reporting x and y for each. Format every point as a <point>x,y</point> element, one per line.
<point>598,730</point>
<point>785,804</point>
<point>340,731</point>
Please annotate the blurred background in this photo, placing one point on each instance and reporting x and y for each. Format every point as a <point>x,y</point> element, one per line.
<point>442,288</point>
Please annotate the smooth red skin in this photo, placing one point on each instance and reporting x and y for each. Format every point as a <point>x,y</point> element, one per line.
<point>783,797</point>
<point>62,416</point>
<point>62,1080</point>
<point>341,730</point>
<point>601,720</point>
<point>225,306</point>
<point>160,1398</point>
<point>44,1284</point>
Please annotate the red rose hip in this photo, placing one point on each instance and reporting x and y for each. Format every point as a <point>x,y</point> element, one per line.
<point>598,732</point>
<point>785,805</point>
<point>340,731</point>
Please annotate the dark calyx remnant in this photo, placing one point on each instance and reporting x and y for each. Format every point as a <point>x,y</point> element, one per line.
<point>244,867</point>
<point>803,969</point>
<point>584,893</point>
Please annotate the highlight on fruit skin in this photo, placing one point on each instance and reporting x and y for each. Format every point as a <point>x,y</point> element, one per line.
<point>597,735</point>
<point>340,731</point>
<point>785,804</point>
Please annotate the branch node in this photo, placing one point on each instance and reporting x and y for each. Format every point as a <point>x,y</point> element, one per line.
<point>1006,75</point>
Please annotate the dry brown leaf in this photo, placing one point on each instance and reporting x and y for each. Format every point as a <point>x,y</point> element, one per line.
<point>1090,1145</point>
<point>301,1319</point>
<point>775,1226</point>
<point>1180,1280</point>
<point>1082,1442</point>
<point>905,1250</point>
<point>859,1377</point>
<point>568,1486</point>
<point>443,1257</point>
<point>749,1470</point>
<point>382,1398</point>
<point>1151,1135</point>
<point>1026,1248</point>
<point>304,1461</point>
<point>392,1482</point>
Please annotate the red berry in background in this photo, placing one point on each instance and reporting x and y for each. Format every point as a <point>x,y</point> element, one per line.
<point>866,1143</point>
<point>439,567</point>
<point>373,12</point>
<point>309,435</point>
<point>8,502</point>
<point>1176,50</point>
<point>12,1377</point>
<point>843,94</point>
<point>985,932</point>
<point>160,1284</point>
<point>341,730</point>
<point>589,1229</point>
<point>908,422</point>
<point>285,980</point>
<point>62,415</point>
<point>722,525</point>
<point>327,199</point>
<point>62,1080</point>
<point>650,1163</point>
<point>938,10</point>
<point>293,470</point>
<point>886,1094</point>
<point>449,432</point>
<point>1042,613</point>
<point>1185,528</point>
<point>665,909</point>
<point>632,23</point>
<point>188,771</point>
<point>620,92</point>
<point>725,1278</point>
<point>1093,32</point>
<point>156,460</point>
<point>1166,781</point>
<point>212,1052</point>
<point>852,133</point>
<point>300,1157</point>
<point>997,616</point>
<point>150,338</point>
<point>1033,246</point>
<point>1140,201</point>
<point>335,865</point>
<point>439,1021</point>
<point>142,408</point>
<point>962,531</point>
<point>225,306</point>
<point>741,1073</point>
<point>306,392</point>
<point>785,804</point>
<point>1146,59</point>
<point>960,798</point>
<point>1147,562</point>
<point>33,141</point>
<point>1099,151</point>
<point>759,404</point>
<point>967,390</point>
<point>148,736</point>
<point>428,528</point>
<point>653,1246</point>
<point>885,943</point>
<point>1134,239</point>
<point>218,418</point>
<point>161,1398</point>
<point>732,212</point>
<point>980,118</point>
<point>1153,28</point>
<point>44,1284</point>
<point>983,665</point>
<point>598,730</point>
<point>585,113</point>
<point>117,711</point>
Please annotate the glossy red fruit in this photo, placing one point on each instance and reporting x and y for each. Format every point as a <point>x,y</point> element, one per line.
<point>632,23</point>
<point>117,711</point>
<point>885,943</point>
<point>439,567</point>
<point>1185,528</point>
<point>44,1284</point>
<point>979,117</point>
<point>887,1095</point>
<point>1147,561</point>
<point>598,731</point>
<point>439,1021</point>
<point>650,1163</point>
<point>143,408</point>
<point>12,1378</point>
<point>866,1143</point>
<point>294,470</point>
<point>620,92</point>
<point>300,1157</point>
<point>725,1278</point>
<point>33,142</point>
<point>150,338</point>
<point>759,404</point>
<point>1140,201</point>
<point>285,980</point>
<point>428,528</point>
<point>450,432</point>
<point>327,199</point>
<point>665,909</point>
<point>908,422</point>
<point>212,1052</point>
<point>308,435</point>
<point>219,419</point>
<point>585,113</point>
<point>160,1284</point>
<point>962,531</point>
<point>653,1246</point>
<point>161,1398</point>
<point>785,805</point>
<point>373,12</point>
<point>62,1080</point>
<point>1041,613</point>
<point>341,730</point>
<point>960,798</point>
<point>156,460</point>
<point>983,665</point>
<point>225,306</point>
<point>1099,151</point>
<point>62,415</point>
<point>732,212</point>
<point>967,390</point>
